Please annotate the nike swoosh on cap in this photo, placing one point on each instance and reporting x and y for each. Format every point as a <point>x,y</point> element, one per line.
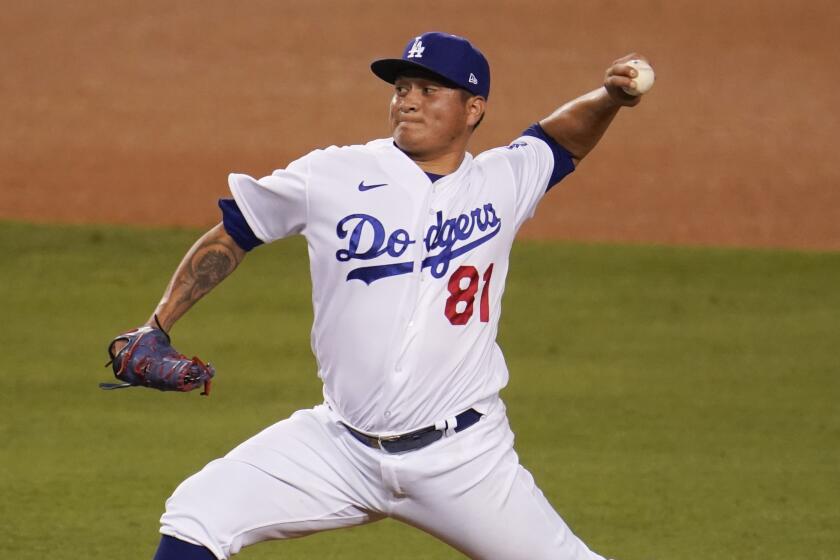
<point>363,187</point>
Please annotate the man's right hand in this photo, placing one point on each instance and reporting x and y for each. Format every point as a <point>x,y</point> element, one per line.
<point>618,76</point>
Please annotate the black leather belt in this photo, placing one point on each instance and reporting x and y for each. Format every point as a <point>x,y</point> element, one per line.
<point>416,439</point>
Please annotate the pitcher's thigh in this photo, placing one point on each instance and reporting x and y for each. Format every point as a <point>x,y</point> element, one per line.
<point>504,517</point>
<point>288,481</point>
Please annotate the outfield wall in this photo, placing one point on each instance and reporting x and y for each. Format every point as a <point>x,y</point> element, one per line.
<point>126,112</point>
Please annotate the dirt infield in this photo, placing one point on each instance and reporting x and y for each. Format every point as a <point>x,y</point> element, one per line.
<point>126,112</point>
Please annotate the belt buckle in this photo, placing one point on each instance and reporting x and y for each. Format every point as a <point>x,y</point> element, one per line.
<point>382,441</point>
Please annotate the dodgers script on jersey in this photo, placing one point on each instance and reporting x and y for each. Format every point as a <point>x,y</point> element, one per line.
<point>407,274</point>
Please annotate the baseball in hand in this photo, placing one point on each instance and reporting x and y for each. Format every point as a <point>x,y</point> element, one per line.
<point>643,80</point>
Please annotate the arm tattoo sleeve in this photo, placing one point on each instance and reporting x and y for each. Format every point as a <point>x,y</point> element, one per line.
<point>209,266</point>
<point>206,264</point>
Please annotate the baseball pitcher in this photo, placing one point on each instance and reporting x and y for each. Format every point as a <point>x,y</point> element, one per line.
<point>409,240</point>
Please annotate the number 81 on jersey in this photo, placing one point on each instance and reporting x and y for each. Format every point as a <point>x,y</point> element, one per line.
<point>463,285</point>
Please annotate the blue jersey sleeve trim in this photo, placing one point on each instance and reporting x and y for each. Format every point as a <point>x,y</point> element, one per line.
<point>236,226</point>
<point>563,163</point>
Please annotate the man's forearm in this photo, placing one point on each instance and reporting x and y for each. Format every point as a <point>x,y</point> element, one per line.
<point>579,124</point>
<point>209,261</point>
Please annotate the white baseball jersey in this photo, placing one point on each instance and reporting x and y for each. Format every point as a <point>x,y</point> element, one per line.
<point>407,274</point>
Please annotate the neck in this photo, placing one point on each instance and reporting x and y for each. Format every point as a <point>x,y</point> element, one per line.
<point>440,164</point>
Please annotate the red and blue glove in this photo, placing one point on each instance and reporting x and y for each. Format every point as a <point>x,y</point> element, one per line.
<point>149,360</point>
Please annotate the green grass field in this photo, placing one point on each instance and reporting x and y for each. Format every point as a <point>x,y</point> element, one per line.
<point>672,403</point>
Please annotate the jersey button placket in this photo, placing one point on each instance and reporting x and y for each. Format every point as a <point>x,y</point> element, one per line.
<point>428,224</point>
<point>429,221</point>
<point>396,379</point>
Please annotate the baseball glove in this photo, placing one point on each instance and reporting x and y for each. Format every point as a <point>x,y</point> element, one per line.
<point>149,360</point>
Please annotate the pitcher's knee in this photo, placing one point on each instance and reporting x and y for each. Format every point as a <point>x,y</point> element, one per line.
<point>171,548</point>
<point>204,509</point>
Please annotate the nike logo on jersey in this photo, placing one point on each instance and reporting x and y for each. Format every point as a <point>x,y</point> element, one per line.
<point>363,187</point>
<point>451,238</point>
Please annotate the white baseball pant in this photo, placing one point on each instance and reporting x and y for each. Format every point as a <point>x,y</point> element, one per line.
<point>307,474</point>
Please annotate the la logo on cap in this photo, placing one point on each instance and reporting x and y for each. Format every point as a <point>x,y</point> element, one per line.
<point>416,49</point>
<point>453,59</point>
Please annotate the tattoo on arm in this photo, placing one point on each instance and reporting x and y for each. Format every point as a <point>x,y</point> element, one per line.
<point>210,267</point>
<point>206,264</point>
